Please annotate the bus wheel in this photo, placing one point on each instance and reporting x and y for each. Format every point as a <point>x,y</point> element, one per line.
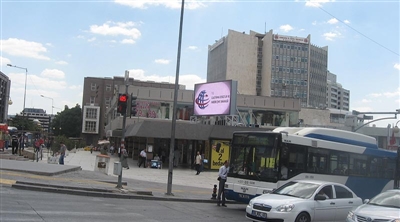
<point>303,217</point>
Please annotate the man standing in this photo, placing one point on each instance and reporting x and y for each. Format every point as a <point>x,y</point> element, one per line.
<point>198,162</point>
<point>63,149</point>
<point>142,159</point>
<point>14,144</point>
<point>222,175</point>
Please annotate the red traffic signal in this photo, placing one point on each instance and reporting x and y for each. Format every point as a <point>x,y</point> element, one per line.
<point>123,98</point>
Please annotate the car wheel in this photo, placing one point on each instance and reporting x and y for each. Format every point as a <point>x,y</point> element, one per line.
<point>303,217</point>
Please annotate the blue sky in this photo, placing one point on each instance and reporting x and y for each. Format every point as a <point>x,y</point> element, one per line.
<point>61,42</point>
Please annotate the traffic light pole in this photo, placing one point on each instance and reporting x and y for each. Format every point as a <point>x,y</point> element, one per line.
<point>119,185</point>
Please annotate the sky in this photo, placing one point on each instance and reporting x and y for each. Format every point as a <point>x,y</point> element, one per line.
<point>61,42</point>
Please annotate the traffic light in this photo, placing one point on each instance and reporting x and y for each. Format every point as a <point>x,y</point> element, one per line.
<point>133,107</point>
<point>122,103</point>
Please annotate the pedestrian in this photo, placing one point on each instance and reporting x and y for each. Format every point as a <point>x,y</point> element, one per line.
<point>124,154</point>
<point>62,151</point>
<point>198,163</point>
<point>112,150</point>
<point>14,144</point>
<point>222,176</point>
<point>177,155</point>
<point>7,140</point>
<point>163,155</point>
<point>21,144</point>
<point>142,158</point>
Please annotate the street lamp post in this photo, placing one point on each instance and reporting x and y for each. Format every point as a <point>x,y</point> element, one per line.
<point>23,110</point>
<point>52,106</point>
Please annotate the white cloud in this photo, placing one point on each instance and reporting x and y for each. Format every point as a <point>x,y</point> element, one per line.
<point>18,81</point>
<point>317,3</point>
<point>189,80</point>
<point>20,47</point>
<point>286,28</point>
<point>91,39</point>
<point>126,41</point>
<point>75,87</point>
<point>314,23</point>
<point>62,62</point>
<point>333,21</point>
<point>363,109</point>
<point>366,101</point>
<point>192,47</point>
<point>144,4</point>
<point>347,21</point>
<point>49,44</point>
<point>53,73</point>
<point>397,66</point>
<point>301,30</point>
<point>126,29</point>
<point>331,35</point>
<point>162,61</point>
<point>4,61</point>
<point>69,55</point>
<point>386,94</point>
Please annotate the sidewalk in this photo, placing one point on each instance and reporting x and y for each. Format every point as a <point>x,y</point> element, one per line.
<point>143,183</point>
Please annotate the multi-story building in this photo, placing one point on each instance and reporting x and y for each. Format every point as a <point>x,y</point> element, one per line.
<point>38,114</point>
<point>271,65</point>
<point>5,99</point>
<point>336,96</point>
<point>97,96</point>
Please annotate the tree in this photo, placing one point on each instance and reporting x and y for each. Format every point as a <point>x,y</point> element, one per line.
<point>68,122</point>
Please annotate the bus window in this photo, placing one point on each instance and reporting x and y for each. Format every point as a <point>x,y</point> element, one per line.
<point>358,165</point>
<point>297,159</point>
<point>339,163</point>
<point>317,160</point>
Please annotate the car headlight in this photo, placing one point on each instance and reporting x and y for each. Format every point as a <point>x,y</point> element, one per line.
<point>351,215</point>
<point>285,208</point>
<point>251,203</point>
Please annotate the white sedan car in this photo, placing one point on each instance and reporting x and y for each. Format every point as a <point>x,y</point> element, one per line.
<point>304,201</point>
<point>384,207</point>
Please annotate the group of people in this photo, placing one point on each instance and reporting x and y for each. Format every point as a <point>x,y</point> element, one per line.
<point>16,143</point>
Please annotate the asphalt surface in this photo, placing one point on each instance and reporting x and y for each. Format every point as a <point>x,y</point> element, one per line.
<point>81,176</point>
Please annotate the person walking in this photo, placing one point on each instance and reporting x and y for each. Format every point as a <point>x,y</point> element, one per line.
<point>14,144</point>
<point>198,163</point>
<point>222,176</point>
<point>142,159</point>
<point>7,140</point>
<point>124,154</point>
<point>62,151</point>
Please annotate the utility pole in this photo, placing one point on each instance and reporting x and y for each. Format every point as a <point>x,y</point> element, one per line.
<point>119,185</point>
<point>172,144</point>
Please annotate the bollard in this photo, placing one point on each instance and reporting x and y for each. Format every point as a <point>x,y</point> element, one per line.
<point>214,193</point>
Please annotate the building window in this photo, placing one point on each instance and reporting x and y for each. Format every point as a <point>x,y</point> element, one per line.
<point>93,87</point>
<point>90,126</point>
<point>92,100</point>
<point>91,113</point>
<point>108,101</point>
<point>108,87</point>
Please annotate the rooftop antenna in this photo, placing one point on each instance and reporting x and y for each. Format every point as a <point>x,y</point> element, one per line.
<point>265,27</point>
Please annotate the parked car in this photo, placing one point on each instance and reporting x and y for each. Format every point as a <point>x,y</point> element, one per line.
<point>304,201</point>
<point>384,207</point>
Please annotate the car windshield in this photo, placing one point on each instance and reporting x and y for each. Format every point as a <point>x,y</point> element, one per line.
<point>297,189</point>
<point>386,199</point>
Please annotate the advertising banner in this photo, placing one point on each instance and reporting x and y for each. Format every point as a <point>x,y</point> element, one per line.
<point>219,153</point>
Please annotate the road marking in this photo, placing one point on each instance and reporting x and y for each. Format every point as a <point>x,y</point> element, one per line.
<point>7,182</point>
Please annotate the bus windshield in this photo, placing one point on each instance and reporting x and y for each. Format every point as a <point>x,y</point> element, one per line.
<point>254,156</point>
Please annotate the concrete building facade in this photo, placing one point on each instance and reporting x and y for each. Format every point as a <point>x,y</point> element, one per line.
<point>337,97</point>
<point>5,99</point>
<point>271,65</point>
<point>97,96</point>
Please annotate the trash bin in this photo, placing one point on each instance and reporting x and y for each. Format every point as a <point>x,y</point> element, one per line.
<point>117,168</point>
<point>101,164</point>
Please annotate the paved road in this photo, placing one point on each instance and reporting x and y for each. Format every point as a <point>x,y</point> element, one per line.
<point>20,205</point>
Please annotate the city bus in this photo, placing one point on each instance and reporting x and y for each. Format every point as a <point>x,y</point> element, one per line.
<point>262,161</point>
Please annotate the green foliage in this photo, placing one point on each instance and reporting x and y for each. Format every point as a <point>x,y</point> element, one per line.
<point>68,142</point>
<point>68,122</point>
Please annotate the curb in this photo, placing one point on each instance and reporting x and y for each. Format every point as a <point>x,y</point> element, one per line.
<point>93,192</point>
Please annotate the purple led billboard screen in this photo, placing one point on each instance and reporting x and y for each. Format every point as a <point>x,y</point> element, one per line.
<point>213,98</point>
